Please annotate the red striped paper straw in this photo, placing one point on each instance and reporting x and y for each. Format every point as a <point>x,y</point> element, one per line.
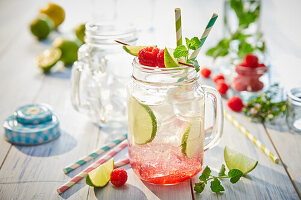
<point>121,163</point>
<point>82,174</point>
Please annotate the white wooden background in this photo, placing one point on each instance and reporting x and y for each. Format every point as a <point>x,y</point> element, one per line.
<point>36,172</point>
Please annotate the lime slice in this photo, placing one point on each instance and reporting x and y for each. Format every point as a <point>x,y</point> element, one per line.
<point>192,138</point>
<point>142,122</point>
<point>236,160</point>
<point>48,58</point>
<point>133,50</point>
<point>169,59</point>
<point>100,176</point>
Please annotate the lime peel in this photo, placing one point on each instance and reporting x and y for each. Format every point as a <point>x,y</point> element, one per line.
<point>100,176</point>
<point>142,122</point>
<point>236,160</point>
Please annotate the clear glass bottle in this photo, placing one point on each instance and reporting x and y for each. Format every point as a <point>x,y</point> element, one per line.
<point>100,75</point>
<point>293,110</point>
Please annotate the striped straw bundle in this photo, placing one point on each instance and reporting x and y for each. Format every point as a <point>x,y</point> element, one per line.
<point>251,137</point>
<point>103,159</point>
<point>93,155</point>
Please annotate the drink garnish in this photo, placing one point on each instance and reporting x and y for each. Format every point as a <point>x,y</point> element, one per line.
<point>100,176</point>
<point>238,165</point>
<point>142,122</point>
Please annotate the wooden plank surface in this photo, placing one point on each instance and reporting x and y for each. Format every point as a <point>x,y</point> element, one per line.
<point>36,172</point>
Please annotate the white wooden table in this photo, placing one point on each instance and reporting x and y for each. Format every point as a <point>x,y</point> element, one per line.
<point>35,172</point>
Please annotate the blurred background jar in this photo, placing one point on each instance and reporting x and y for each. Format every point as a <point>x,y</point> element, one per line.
<point>101,73</point>
<point>293,111</point>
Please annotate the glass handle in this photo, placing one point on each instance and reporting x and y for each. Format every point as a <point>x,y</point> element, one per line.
<point>218,124</point>
<point>77,69</point>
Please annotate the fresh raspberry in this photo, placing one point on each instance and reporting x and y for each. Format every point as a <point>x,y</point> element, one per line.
<point>160,58</point>
<point>251,60</point>
<point>261,65</point>
<point>218,77</point>
<point>119,177</point>
<point>148,56</point>
<point>239,84</point>
<point>222,86</point>
<point>243,64</point>
<point>235,103</point>
<point>256,85</point>
<point>206,72</point>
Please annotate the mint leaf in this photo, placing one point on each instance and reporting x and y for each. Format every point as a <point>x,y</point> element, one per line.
<point>216,186</point>
<point>180,51</point>
<point>221,49</point>
<point>194,63</point>
<point>205,175</point>
<point>199,187</point>
<point>222,170</point>
<point>193,44</point>
<point>235,175</point>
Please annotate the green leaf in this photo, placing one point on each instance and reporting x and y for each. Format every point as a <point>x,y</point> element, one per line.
<point>194,63</point>
<point>235,175</point>
<point>205,175</point>
<point>180,51</point>
<point>216,186</point>
<point>244,48</point>
<point>222,170</point>
<point>199,187</point>
<point>221,49</point>
<point>193,44</point>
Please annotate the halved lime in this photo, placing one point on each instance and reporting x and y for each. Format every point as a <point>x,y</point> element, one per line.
<point>69,49</point>
<point>236,160</point>
<point>48,58</point>
<point>133,50</point>
<point>100,176</point>
<point>192,138</point>
<point>169,59</point>
<point>142,122</point>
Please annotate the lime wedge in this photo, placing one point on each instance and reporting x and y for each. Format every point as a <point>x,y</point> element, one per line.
<point>169,59</point>
<point>48,58</point>
<point>133,50</point>
<point>100,176</point>
<point>142,122</point>
<point>192,138</point>
<point>236,160</point>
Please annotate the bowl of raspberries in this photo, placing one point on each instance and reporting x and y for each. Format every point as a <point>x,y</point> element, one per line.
<point>249,75</point>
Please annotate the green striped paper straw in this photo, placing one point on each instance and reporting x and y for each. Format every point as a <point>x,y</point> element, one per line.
<point>93,155</point>
<point>178,26</point>
<point>204,35</point>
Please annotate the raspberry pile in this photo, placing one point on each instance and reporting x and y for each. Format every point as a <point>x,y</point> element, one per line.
<point>221,84</point>
<point>119,177</point>
<point>248,74</point>
<point>151,56</point>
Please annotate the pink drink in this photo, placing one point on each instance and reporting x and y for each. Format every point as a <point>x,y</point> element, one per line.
<point>163,164</point>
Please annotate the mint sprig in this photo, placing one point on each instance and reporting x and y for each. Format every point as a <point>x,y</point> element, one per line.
<point>183,51</point>
<point>215,185</point>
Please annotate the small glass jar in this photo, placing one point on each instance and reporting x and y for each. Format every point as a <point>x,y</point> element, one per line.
<point>293,110</point>
<point>101,73</point>
<point>249,82</point>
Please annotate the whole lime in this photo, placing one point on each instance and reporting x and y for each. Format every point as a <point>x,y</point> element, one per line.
<point>41,26</point>
<point>69,50</point>
<point>80,32</point>
<point>55,12</point>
